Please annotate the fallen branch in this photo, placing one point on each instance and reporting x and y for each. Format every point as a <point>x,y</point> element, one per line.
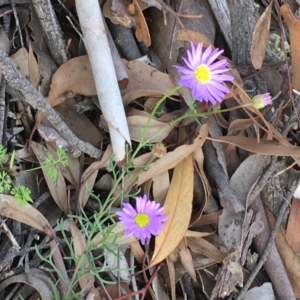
<point>33,97</point>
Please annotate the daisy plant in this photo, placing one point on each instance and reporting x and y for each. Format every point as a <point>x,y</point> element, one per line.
<point>146,219</point>
<point>203,75</point>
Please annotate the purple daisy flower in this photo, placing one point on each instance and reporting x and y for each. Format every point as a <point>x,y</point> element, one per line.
<point>203,75</point>
<point>261,100</point>
<point>148,218</point>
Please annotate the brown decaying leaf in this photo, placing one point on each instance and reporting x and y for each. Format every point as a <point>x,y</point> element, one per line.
<point>171,159</point>
<point>264,147</point>
<point>292,231</point>
<point>57,188</point>
<point>142,31</point>
<point>26,214</point>
<point>200,245</point>
<point>73,77</point>
<point>260,37</point>
<point>131,96</point>
<point>87,280</point>
<point>144,77</point>
<point>178,208</point>
<point>294,29</point>
<point>289,258</point>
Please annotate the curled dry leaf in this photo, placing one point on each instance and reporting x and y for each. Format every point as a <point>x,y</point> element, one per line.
<point>57,188</point>
<point>26,214</point>
<point>178,208</point>
<point>260,37</point>
<point>294,29</point>
<point>171,159</point>
<point>86,280</point>
<point>292,231</point>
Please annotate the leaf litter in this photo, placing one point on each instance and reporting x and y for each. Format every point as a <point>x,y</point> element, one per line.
<point>209,168</point>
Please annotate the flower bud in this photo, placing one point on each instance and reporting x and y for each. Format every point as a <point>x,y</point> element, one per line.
<point>159,150</point>
<point>261,100</point>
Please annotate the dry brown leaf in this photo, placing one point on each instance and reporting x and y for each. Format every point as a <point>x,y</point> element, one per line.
<point>260,37</point>
<point>171,159</point>
<point>79,123</point>
<point>289,258</point>
<point>26,214</point>
<point>27,65</point>
<point>71,78</point>
<point>172,277</point>
<point>178,208</point>
<point>294,29</point>
<point>87,280</point>
<point>200,245</point>
<point>161,183</point>
<point>292,232</point>
<point>264,147</point>
<point>142,31</point>
<point>141,76</point>
<point>89,176</point>
<point>57,188</point>
<point>156,131</point>
<point>186,259</point>
<point>187,35</point>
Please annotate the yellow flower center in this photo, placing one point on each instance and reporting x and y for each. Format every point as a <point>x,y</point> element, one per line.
<point>203,74</point>
<point>142,220</point>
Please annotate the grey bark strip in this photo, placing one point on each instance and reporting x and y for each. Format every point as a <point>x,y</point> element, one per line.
<point>53,33</point>
<point>33,97</point>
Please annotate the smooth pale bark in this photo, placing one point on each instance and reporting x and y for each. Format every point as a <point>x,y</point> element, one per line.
<point>96,43</point>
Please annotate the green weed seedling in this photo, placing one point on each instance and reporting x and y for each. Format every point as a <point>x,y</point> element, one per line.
<point>22,193</point>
